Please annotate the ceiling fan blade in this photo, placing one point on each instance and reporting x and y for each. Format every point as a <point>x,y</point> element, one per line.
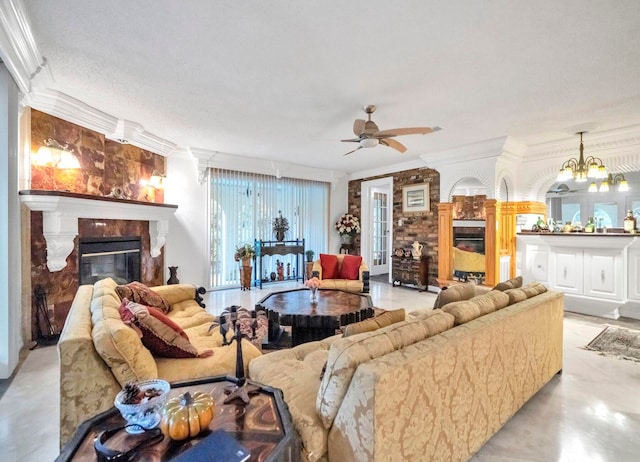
<point>350,152</point>
<point>405,131</point>
<point>358,126</point>
<point>393,144</point>
<point>352,140</point>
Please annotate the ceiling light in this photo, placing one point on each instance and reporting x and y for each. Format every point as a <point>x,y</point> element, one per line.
<point>593,187</point>
<point>369,142</point>
<point>581,169</point>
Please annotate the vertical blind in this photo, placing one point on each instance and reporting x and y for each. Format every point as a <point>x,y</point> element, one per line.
<point>242,208</point>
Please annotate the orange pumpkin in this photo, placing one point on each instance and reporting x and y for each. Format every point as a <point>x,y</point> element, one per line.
<point>187,415</point>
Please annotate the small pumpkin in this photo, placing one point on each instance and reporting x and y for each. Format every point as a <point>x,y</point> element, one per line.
<point>187,415</point>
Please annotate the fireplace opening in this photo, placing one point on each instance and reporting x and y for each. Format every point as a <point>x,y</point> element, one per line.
<point>469,235</point>
<point>114,257</point>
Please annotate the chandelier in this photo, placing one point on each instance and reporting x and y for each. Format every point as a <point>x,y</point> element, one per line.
<point>581,169</point>
<point>611,180</point>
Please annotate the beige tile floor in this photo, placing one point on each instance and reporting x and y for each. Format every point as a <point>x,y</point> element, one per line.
<point>589,413</point>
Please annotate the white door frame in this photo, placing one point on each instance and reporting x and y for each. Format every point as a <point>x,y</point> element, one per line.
<point>365,207</point>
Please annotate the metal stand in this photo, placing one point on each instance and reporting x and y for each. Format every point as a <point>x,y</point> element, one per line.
<point>50,335</point>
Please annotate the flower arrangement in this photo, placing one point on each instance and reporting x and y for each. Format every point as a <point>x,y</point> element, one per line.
<point>348,224</point>
<point>244,251</point>
<point>280,226</point>
<point>312,283</point>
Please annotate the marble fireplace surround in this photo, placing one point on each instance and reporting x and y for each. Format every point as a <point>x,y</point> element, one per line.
<point>61,211</point>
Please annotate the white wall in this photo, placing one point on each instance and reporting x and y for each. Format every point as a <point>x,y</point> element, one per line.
<point>10,268</point>
<point>187,242</point>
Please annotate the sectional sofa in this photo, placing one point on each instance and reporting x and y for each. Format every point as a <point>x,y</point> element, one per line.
<point>434,387</point>
<point>99,353</point>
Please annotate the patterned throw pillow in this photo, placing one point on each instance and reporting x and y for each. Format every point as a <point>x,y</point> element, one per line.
<point>159,334</point>
<point>350,268</point>
<point>139,293</point>
<point>329,265</point>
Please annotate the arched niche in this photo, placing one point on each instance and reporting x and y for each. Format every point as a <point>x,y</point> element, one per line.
<point>468,195</point>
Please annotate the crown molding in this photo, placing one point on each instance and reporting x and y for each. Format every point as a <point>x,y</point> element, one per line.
<point>75,111</point>
<point>489,149</point>
<point>19,50</point>
<point>206,159</point>
<point>388,169</point>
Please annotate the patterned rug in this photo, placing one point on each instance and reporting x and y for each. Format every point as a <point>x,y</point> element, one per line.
<point>617,341</point>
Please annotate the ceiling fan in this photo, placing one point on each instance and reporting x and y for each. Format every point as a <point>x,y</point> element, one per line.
<point>562,189</point>
<point>369,135</point>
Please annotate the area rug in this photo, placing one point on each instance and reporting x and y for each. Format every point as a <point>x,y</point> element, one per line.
<point>617,341</point>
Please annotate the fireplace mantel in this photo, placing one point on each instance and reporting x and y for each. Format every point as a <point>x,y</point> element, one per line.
<point>61,211</point>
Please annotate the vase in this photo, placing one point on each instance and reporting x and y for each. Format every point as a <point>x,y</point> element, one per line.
<point>279,233</point>
<point>173,275</point>
<point>313,294</point>
<point>346,238</point>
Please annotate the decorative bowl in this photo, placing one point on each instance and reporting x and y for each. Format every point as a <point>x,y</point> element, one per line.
<point>145,414</point>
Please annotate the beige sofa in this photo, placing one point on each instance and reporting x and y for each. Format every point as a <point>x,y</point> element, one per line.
<point>99,353</point>
<point>421,389</point>
<point>359,285</point>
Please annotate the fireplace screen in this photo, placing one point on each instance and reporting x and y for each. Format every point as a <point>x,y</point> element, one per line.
<point>117,258</point>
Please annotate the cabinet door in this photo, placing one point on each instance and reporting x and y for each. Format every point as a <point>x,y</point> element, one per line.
<point>538,263</point>
<point>603,274</point>
<point>634,275</point>
<point>566,270</point>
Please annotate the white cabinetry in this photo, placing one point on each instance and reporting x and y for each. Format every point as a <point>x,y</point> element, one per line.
<point>597,273</point>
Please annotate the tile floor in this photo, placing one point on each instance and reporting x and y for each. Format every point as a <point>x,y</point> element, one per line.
<point>589,413</point>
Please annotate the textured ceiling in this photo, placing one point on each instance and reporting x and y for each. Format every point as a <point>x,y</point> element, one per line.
<point>284,80</point>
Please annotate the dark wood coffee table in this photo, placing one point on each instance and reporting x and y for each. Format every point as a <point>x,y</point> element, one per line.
<point>309,322</point>
<point>263,426</point>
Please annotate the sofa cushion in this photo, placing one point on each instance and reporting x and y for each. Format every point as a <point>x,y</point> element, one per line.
<point>515,295</point>
<point>534,288</point>
<point>296,372</point>
<point>462,311</point>
<point>455,293</point>
<point>140,293</point>
<point>160,335</point>
<point>491,301</point>
<point>346,354</point>
<point>368,325</point>
<point>350,268</point>
<point>510,284</point>
<point>329,265</point>
<point>117,344</point>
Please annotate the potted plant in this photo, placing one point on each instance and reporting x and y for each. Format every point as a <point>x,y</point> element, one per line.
<point>245,253</point>
<point>348,225</point>
<point>309,254</point>
<point>280,227</point>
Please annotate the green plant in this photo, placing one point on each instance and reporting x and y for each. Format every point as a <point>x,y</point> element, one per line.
<point>244,251</point>
<point>309,254</point>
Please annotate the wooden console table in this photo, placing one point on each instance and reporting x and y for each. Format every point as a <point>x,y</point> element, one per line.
<point>270,248</point>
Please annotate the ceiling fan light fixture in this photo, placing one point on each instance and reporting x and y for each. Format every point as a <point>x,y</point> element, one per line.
<point>369,142</point>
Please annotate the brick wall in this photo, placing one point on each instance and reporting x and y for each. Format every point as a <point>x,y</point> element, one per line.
<point>421,227</point>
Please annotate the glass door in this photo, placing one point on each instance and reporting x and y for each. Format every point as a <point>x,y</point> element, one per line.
<point>379,232</point>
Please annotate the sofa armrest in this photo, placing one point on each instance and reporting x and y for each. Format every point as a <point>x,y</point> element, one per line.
<point>87,386</point>
<point>176,293</point>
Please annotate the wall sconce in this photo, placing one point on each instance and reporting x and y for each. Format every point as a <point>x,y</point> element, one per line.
<point>156,180</point>
<point>53,154</point>
<point>611,180</point>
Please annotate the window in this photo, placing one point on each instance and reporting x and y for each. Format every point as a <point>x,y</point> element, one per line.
<point>242,208</point>
<point>570,212</point>
<point>606,214</point>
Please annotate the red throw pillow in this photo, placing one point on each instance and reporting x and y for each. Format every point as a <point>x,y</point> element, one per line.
<point>139,293</point>
<point>329,265</point>
<point>160,335</point>
<point>350,267</point>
